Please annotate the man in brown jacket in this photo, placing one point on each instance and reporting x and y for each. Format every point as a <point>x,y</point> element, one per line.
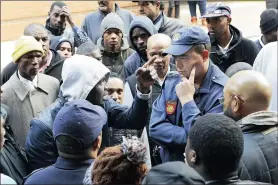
<point>27,92</point>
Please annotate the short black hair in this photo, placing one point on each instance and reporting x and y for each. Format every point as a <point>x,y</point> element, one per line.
<point>218,143</point>
<point>29,29</point>
<point>57,3</point>
<point>86,48</point>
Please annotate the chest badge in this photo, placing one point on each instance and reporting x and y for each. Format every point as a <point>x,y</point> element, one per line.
<point>171,107</point>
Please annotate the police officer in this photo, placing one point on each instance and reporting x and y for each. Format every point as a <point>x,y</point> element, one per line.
<point>192,91</point>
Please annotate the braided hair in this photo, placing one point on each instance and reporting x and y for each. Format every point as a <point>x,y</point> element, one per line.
<point>121,164</point>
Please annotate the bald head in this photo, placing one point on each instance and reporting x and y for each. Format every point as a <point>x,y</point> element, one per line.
<point>160,40</point>
<point>156,45</point>
<point>252,89</point>
<point>32,28</point>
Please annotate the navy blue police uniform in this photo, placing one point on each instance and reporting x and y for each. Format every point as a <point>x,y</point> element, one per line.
<point>170,121</point>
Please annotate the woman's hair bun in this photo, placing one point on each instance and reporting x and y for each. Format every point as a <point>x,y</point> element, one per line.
<point>134,150</point>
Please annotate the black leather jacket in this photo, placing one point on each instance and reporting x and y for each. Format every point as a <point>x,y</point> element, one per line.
<point>234,180</point>
<point>259,161</point>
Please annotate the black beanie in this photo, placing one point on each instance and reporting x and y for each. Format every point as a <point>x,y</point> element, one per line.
<point>173,173</point>
<point>269,20</point>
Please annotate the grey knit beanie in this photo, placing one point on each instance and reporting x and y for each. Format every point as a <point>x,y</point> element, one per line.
<point>112,20</point>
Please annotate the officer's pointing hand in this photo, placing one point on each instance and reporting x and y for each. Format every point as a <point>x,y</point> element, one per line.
<point>185,90</point>
<point>146,76</point>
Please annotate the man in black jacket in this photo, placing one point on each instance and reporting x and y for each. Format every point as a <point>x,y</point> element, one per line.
<point>246,99</point>
<point>214,149</point>
<point>52,62</point>
<point>227,44</point>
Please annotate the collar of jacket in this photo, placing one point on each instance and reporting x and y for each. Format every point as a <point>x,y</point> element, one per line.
<point>21,91</point>
<point>68,164</point>
<point>211,75</point>
<point>229,180</point>
<point>261,118</point>
<point>237,37</point>
<point>54,31</point>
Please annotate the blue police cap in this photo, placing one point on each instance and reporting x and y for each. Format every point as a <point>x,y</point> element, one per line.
<point>77,125</point>
<point>185,38</point>
<point>217,10</point>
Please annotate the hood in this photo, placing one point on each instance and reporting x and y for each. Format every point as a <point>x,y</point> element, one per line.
<point>142,22</point>
<point>54,31</point>
<point>262,118</point>
<point>124,47</point>
<point>57,41</point>
<point>80,74</point>
<point>237,37</point>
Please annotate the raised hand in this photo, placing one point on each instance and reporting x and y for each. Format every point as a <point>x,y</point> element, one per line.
<point>146,76</point>
<point>66,13</point>
<point>185,89</point>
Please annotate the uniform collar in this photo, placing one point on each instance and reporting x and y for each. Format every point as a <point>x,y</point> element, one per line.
<point>213,75</point>
<point>69,164</point>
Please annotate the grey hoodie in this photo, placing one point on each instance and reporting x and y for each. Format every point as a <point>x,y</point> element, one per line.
<point>115,61</point>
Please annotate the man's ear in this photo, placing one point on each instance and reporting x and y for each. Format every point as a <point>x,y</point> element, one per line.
<point>194,158</point>
<point>236,104</point>
<point>229,20</point>
<point>158,4</point>
<point>97,142</point>
<point>205,54</point>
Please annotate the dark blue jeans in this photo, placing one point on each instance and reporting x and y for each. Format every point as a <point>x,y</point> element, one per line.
<point>192,7</point>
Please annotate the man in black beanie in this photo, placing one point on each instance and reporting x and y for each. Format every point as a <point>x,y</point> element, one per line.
<point>269,27</point>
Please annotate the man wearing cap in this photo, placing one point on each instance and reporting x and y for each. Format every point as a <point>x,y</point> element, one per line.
<point>227,43</point>
<point>27,92</point>
<point>192,91</point>
<point>77,134</point>
<point>269,27</point>
<point>113,44</point>
<point>85,78</point>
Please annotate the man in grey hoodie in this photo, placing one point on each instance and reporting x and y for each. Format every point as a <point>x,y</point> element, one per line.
<point>141,28</point>
<point>247,97</point>
<point>85,78</point>
<point>113,44</point>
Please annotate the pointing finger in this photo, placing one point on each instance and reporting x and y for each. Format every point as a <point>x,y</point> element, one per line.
<point>149,62</point>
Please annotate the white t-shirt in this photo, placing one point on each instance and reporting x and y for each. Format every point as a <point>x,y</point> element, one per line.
<point>6,179</point>
<point>226,48</point>
<point>266,63</point>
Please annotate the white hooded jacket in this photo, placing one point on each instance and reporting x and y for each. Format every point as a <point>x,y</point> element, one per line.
<point>77,86</point>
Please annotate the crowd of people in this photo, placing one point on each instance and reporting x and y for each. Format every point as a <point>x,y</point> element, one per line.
<point>141,99</point>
